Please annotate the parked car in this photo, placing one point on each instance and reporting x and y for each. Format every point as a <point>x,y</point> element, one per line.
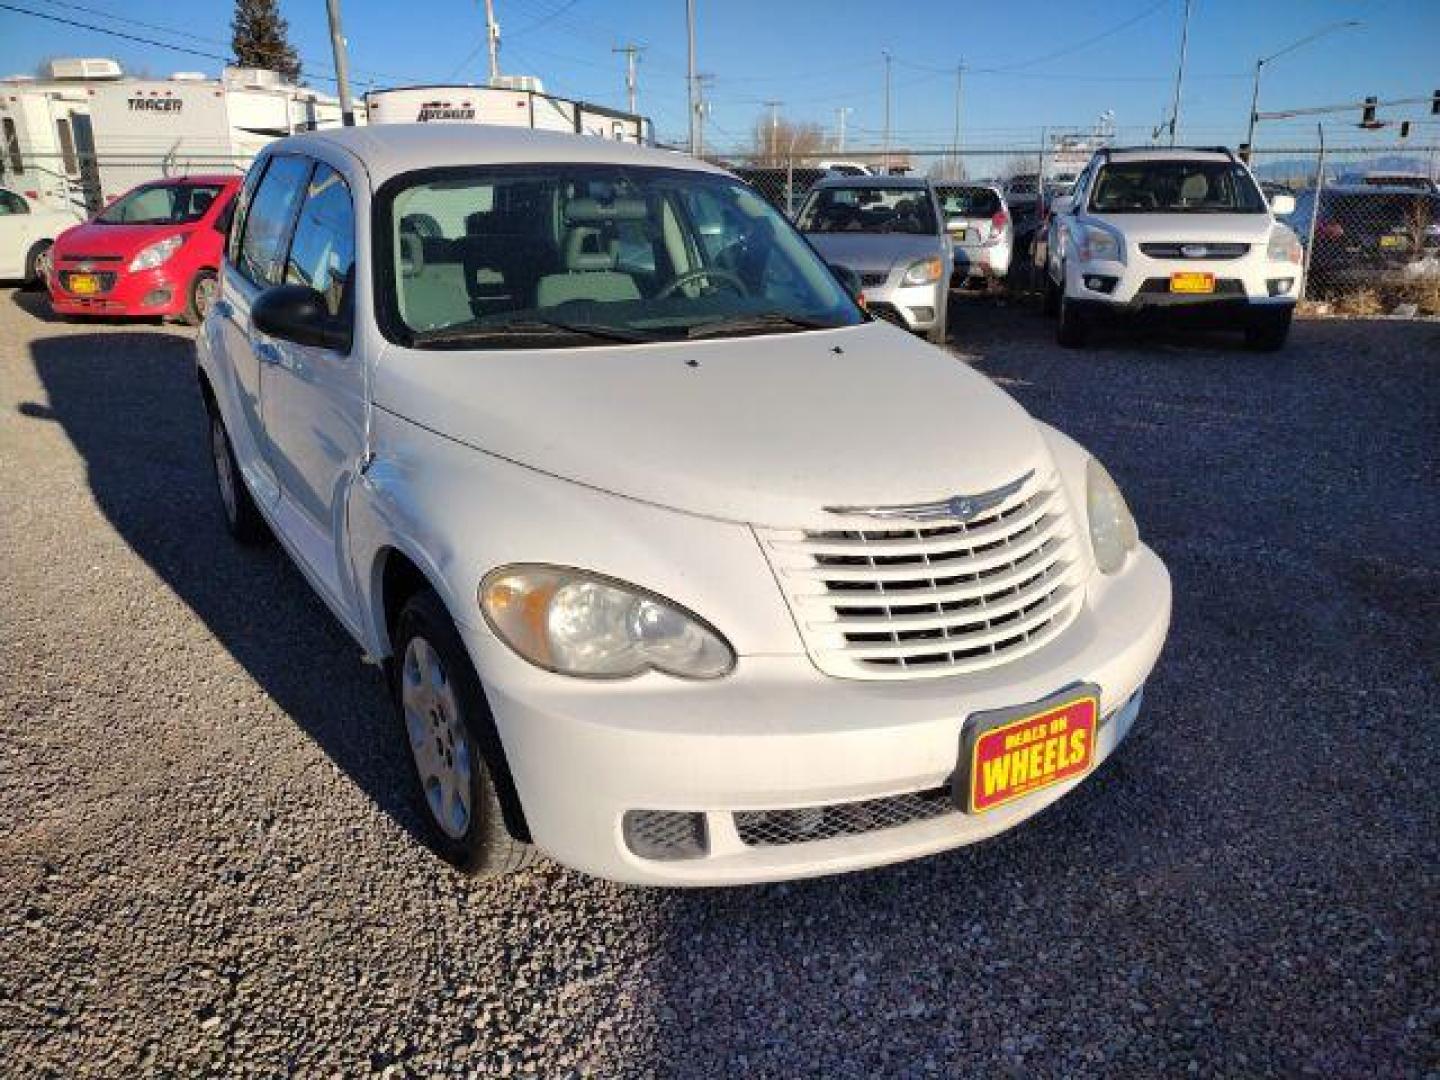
<point>1171,235</point>
<point>28,229</point>
<point>981,232</point>
<point>1369,235</point>
<point>683,571</point>
<point>889,232</point>
<point>1410,181</point>
<point>153,252</point>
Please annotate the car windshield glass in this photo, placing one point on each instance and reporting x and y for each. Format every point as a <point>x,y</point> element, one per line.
<point>1176,187</point>
<point>968,201</point>
<point>576,255</point>
<point>869,208</point>
<point>161,204</point>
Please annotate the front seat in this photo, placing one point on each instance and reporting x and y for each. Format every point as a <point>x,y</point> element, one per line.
<point>590,272</point>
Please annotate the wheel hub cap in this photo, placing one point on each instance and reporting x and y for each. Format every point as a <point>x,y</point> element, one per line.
<point>438,740</point>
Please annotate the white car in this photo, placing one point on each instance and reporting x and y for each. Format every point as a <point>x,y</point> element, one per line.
<point>981,231</point>
<point>28,229</point>
<point>1171,235</point>
<point>684,570</point>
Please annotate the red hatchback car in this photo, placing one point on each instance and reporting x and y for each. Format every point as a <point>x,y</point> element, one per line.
<point>153,252</point>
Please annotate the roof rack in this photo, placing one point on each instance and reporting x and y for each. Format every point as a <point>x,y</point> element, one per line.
<point>1108,150</point>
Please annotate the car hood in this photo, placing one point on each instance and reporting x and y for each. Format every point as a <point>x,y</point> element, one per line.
<point>874,253</point>
<point>767,430</point>
<point>122,240</point>
<point>1215,228</point>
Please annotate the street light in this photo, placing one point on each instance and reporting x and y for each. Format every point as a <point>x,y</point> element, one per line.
<point>1260,64</point>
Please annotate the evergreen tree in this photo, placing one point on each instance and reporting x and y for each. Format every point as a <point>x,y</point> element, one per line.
<point>260,38</point>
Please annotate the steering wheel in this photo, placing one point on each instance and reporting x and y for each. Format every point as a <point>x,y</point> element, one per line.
<point>713,273</point>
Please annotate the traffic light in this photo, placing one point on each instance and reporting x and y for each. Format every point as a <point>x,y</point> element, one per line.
<point>1404,129</point>
<point>1367,117</point>
<point>1435,104</point>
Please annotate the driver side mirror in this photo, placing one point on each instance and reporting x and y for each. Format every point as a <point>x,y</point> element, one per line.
<point>1062,204</point>
<point>1282,205</point>
<point>297,313</point>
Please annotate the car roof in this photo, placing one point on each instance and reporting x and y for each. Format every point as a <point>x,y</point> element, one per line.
<point>196,178</point>
<point>1165,153</point>
<point>917,182</point>
<point>1375,189</point>
<point>387,150</point>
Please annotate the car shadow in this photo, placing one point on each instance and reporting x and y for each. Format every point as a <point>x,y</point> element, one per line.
<point>130,405</point>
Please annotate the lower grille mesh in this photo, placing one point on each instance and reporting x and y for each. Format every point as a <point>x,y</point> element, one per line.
<point>772,828</point>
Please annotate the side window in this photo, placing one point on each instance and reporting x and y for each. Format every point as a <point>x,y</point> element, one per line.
<point>12,147</point>
<point>322,254</point>
<point>268,218</point>
<point>12,204</point>
<point>241,206</point>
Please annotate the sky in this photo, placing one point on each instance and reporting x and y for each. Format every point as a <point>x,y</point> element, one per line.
<point>1030,66</point>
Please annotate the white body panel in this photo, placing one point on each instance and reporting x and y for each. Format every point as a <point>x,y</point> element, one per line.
<point>502,107</point>
<point>19,233</point>
<point>41,115</point>
<point>632,463</point>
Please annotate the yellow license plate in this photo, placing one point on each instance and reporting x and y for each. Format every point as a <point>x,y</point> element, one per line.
<point>84,284</point>
<point>1012,753</point>
<point>1393,242</point>
<point>1192,283</point>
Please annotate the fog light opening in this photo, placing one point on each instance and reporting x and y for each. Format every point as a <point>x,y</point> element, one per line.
<point>1100,283</point>
<point>1280,286</point>
<point>156,298</point>
<point>666,835</point>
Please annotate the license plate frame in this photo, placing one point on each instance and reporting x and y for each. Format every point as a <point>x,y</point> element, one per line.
<point>1192,282</point>
<point>1077,708</point>
<point>1391,242</point>
<point>83,284</point>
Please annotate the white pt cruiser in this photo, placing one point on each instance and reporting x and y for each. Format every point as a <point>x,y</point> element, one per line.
<point>683,570</point>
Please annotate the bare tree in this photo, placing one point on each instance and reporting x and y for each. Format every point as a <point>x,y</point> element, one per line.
<point>783,140</point>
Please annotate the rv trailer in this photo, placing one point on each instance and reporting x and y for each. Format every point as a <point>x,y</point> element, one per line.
<point>46,147</point>
<point>517,101</point>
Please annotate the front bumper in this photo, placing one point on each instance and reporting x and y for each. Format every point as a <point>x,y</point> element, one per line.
<point>1139,287</point>
<point>154,293</point>
<point>777,735</point>
<point>919,307</point>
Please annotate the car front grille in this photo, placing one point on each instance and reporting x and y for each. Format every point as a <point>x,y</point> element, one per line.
<point>773,828</point>
<point>1176,250</point>
<point>106,278</point>
<point>92,258</point>
<point>871,281</point>
<point>933,599</point>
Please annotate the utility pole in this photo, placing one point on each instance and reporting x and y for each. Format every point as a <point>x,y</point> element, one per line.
<point>886,54</point>
<point>690,82</point>
<point>1260,67</point>
<point>632,53</point>
<point>702,109</point>
<point>774,107</point>
<point>492,41</point>
<point>959,90</point>
<point>840,114</point>
<point>342,63</point>
<point>1180,74</point>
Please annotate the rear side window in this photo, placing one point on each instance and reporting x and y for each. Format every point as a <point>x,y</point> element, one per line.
<point>322,254</point>
<point>12,147</point>
<point>268,219</point>
<point>12,204</point>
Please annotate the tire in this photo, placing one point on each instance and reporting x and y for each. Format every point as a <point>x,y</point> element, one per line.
<point>1070,330</point>
<point>450,738</point>
<point>37,264</point>
<point>1268,332</point>
<point>242,519</point>
<point>1052,295</point>
<point>201,295</point>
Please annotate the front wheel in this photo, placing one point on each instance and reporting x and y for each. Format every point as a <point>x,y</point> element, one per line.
<point>1070,331</point>
<point>242,519</point>
<point>1052,294</point>
<point>1268,332</point>
<point>38,263</point>
<point>202,294</point>
<point>453,744</point>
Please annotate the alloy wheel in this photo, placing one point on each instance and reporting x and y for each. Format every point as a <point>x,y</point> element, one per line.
<point>224,469</point>
<point>438,739</point>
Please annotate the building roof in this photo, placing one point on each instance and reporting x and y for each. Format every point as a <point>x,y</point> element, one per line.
<point>390,149</point>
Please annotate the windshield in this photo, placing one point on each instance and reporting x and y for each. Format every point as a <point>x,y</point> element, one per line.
<point>1176,187</point>
<point>976,202</point>
<point>542,256</point>
<point>161,204</point>
<point>869,208</point>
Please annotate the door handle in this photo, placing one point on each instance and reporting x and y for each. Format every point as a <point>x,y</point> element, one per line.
<point>268,353</point>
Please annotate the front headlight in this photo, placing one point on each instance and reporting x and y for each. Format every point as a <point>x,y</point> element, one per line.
<point>1113,533</point>
<point>1284,246</point>
<point>1095,244</point>
<point>923,272</point>
<point>577,623</point>
<point>156,253</point>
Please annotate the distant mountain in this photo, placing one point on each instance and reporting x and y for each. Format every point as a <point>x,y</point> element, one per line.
<point>1302,169</point>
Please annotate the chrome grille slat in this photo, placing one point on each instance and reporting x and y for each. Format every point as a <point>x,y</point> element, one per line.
<point>913,599</point>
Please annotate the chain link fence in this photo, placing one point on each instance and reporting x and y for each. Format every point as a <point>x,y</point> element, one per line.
<point>1368,219</point>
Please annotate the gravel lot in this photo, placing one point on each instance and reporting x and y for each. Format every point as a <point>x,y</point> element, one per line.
<point>208,864</point>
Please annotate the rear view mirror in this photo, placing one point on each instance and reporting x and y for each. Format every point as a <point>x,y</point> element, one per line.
<point>1282,205</point>
<point>298,313</point>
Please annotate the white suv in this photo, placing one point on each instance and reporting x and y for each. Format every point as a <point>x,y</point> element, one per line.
<point>683,570</point>
<point>1172,234</point>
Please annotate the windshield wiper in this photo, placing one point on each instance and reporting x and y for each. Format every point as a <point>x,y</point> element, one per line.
<point>525,331</point>
<point>766,323</point>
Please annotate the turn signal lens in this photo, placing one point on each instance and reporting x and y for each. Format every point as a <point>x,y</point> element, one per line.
<point>576,623</point>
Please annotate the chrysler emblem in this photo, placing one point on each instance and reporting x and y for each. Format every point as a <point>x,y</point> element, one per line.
<point>960,508</point>
<point>1194,251</point>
